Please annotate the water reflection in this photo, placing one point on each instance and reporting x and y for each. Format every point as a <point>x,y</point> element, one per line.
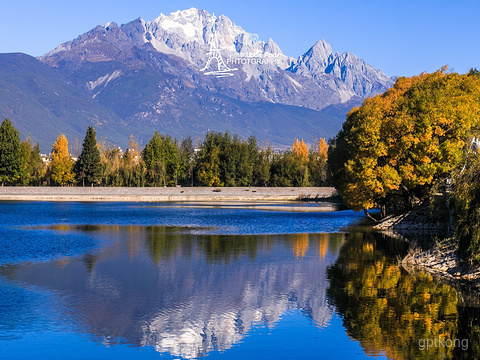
<point>184,292</point>
<point>389,310</point>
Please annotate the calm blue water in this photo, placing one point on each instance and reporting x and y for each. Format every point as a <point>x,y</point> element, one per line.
<point>143,281</point>
<point>17,244</point>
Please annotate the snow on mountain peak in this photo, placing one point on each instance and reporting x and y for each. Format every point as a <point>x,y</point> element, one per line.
<point>187,28</point>
<point>187,33</point>
<point>319,53</point>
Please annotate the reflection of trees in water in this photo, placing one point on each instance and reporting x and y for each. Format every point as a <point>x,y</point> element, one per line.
<point>162,244</point>
<point>300,245</point>
<point>165,242</point>
<point>384,307</point>
<point>322,245</point>
<point>188,293</point>
<point>468,328</point>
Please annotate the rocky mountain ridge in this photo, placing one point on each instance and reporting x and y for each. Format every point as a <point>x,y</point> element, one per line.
<point>315,80</point>
<point>152,75</point>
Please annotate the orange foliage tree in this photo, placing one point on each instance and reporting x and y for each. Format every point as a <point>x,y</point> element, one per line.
<point>61,170</point>
<point>393,148</point>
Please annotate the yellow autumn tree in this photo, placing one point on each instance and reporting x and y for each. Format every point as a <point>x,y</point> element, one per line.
<point>300,162</point>
<point>61,170</point>
<point>300,150</point>
<point>322,151</point>
<point>317,165</point>
<point>394,147</point>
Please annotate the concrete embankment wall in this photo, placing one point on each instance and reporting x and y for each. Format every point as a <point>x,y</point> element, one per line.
<point>163,194</point>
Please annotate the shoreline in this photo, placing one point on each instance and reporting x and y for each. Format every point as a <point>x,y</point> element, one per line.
<point>438,254</point>
<point>440,257</point>
<point>442,263</point>
<point>165,194</point>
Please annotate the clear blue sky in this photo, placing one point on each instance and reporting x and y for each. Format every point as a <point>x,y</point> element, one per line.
<point>398,37</point>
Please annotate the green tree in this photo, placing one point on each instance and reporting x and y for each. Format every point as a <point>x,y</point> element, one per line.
<point>11,162</point>
<point>33,167</point>
<point>287,170</point>
<point>208,160</point>
<point>262,167</point>
<point>88,167</point>
<point>37,167</point>
<point>226,160</point>
<point>290,168</point>
<point>317,165</point>
<point>132,168</point>
<point>162,160</point>
<point>186,154</point>
<point>26,151</point>
<point>111,164</point>
<point>236,167</point>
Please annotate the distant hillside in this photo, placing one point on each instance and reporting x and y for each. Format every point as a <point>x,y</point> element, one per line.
<point>41,104</point>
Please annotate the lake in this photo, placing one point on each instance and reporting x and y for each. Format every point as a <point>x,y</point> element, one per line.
<point>173,281</point>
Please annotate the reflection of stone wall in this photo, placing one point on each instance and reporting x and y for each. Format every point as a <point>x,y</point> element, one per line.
<point>187,294</point>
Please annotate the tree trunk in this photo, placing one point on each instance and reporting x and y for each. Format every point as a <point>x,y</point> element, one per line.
<point>383,211</point>
<point>407,198</point>
<point>369,216</point>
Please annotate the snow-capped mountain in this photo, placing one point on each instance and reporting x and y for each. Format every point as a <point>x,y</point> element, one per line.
<point>359,77</point>
<point>315,80</point>
<point>159,75</point>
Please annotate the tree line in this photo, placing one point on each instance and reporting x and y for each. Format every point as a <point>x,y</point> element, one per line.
<point>221,159</point>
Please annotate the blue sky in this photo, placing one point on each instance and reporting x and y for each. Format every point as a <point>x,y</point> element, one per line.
<point>399,37</point>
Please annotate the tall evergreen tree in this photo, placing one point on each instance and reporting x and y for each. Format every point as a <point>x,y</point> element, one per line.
<point>10,153</point>
<point>88,167</point>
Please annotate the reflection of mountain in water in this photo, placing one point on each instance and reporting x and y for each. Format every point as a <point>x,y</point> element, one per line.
<point>189,294</point>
